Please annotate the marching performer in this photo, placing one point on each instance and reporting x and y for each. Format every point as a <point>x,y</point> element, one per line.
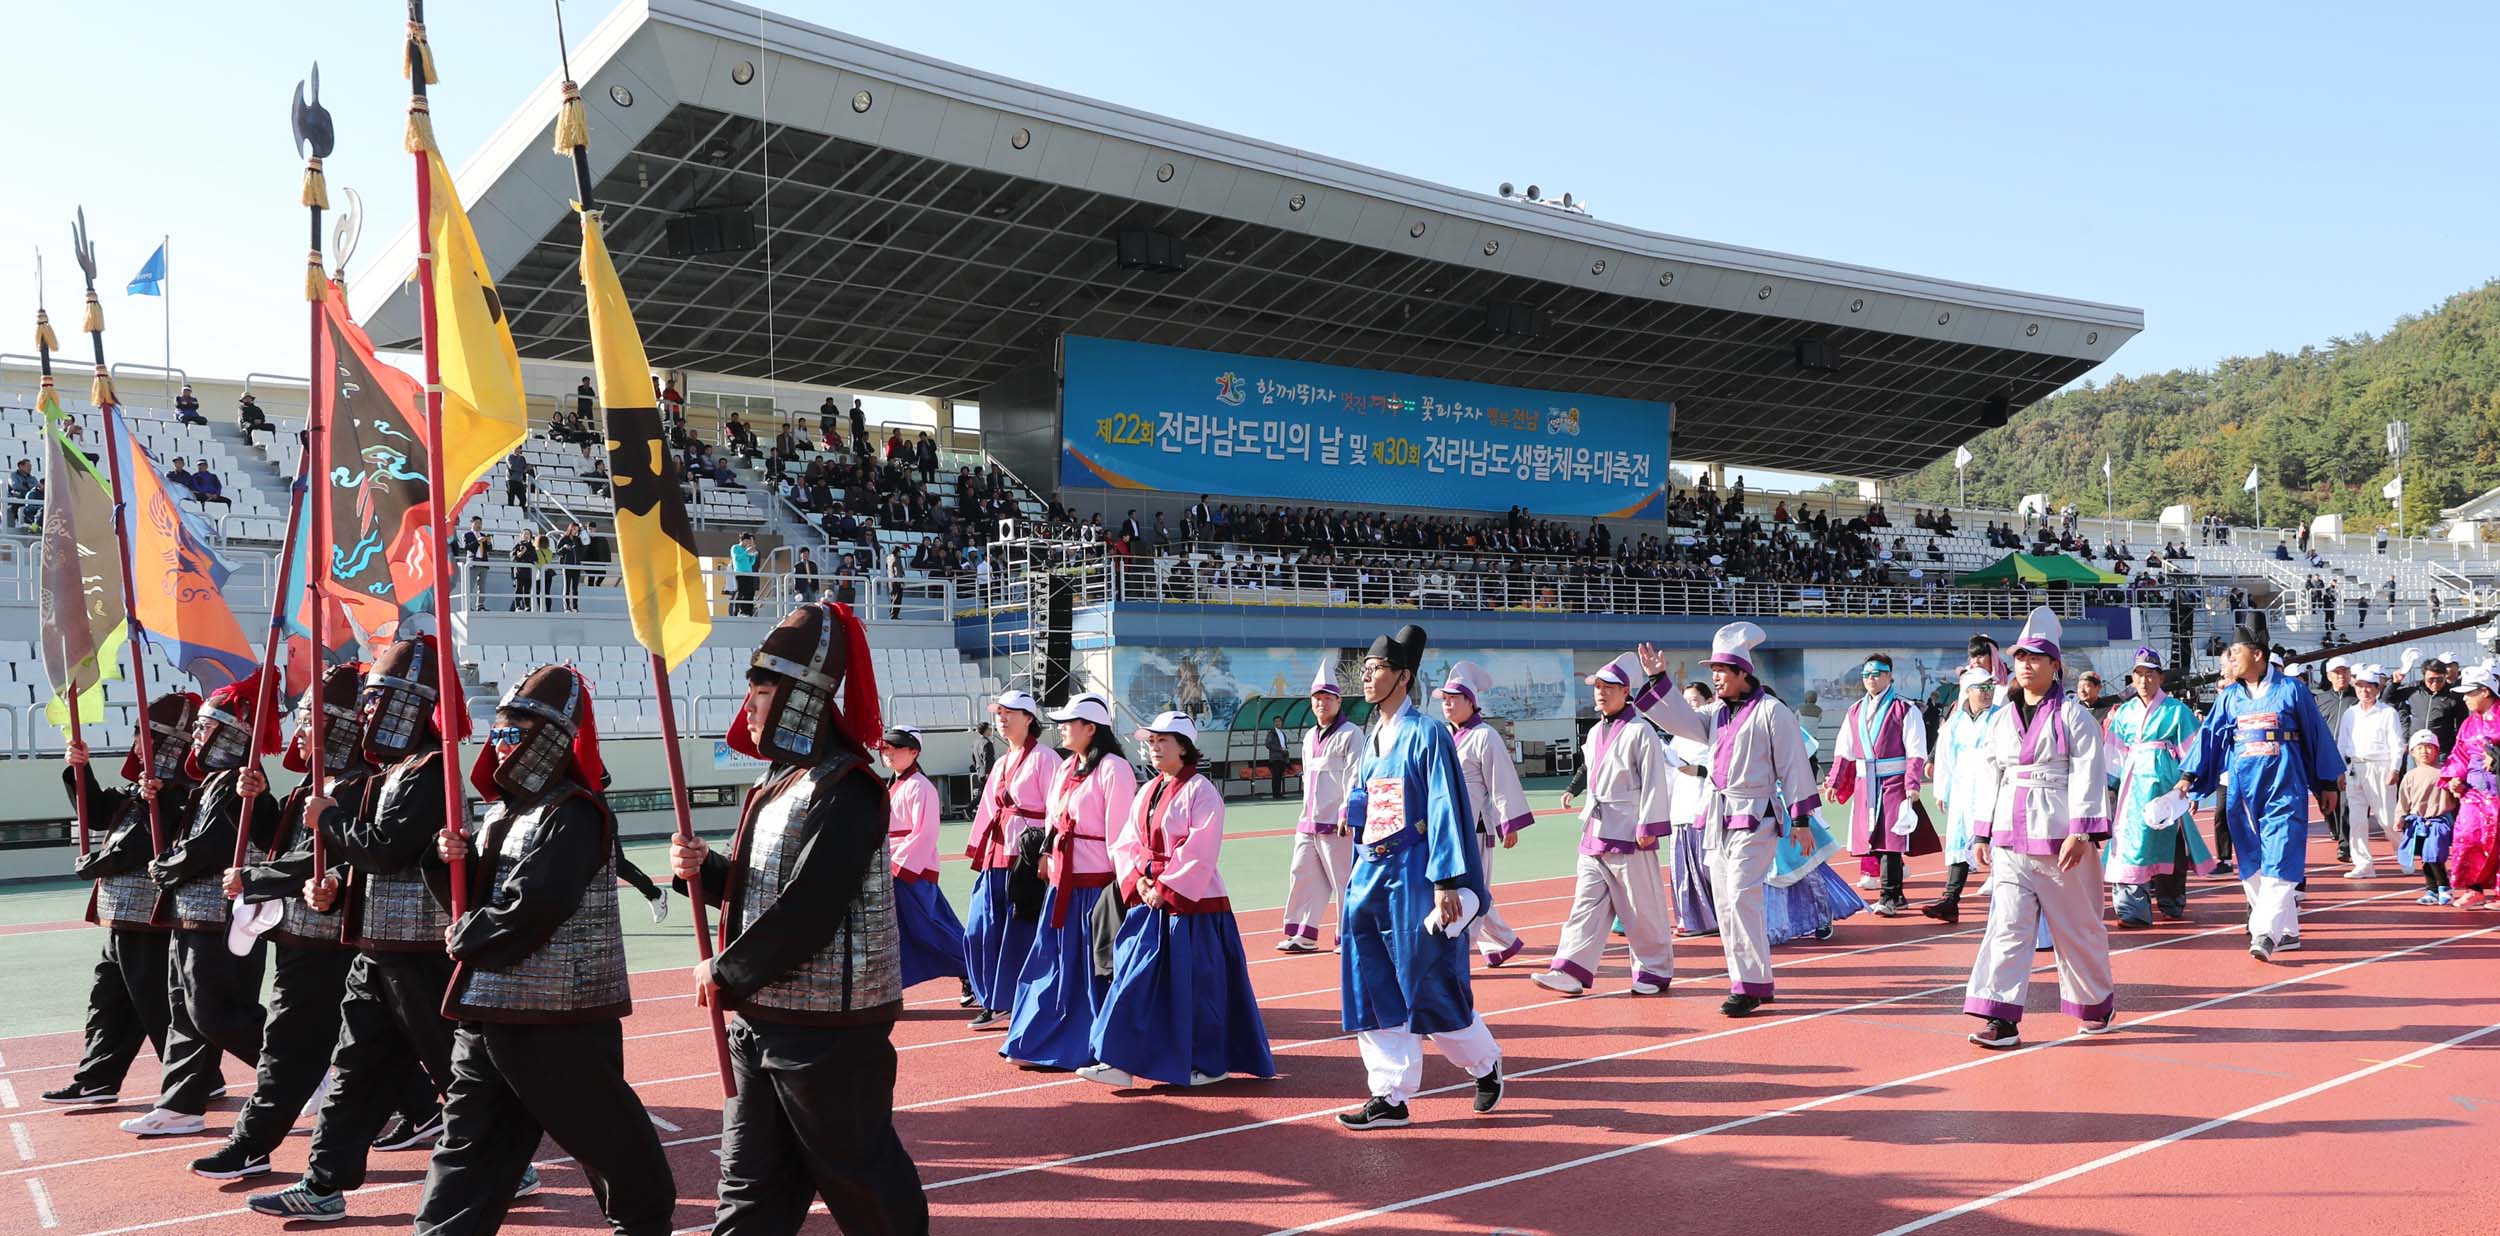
<point>812,965</point>
<point>2040,839</point>
<point>1418,881</point>
<point>1757,755</point>
<point>1494,795</point>
<point>1696,913</point>
<point>1629,788</point>
<point>216,994</point>
<point>128,1004</point>
<point>2474,841</point>
<point>312,953</point>
<point>1961,775</point>
<point>538,984</point>
<point>1323,843</point>
<point>1877,771</point>
<point>932,938</point>
<point>1057,995</point>
<point>394,1044</point>
<point>1180,1008</point>
<point>1015,800</point>
<point>2149,862</point>
<point>2372,738</point>
<point>2266,734</point>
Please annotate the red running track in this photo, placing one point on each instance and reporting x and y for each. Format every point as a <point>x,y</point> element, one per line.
<point>2355,1078</point>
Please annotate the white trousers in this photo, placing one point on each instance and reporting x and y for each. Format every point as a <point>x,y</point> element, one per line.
<point>2368,799</point>
<point>2030,894</point>
<point>2273,907</point>
<point>1393,1059</point>
<point>1626,887</point>
<point>1739,864</point>
<point>1322,862</point>
<point>1491,932</point>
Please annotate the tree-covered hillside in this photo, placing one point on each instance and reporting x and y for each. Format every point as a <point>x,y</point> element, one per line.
<point>2313,423</point>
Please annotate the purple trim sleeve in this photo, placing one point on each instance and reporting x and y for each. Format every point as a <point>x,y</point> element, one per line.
<point>2087,826</point>
<point>1982,829</point>
<point>1650,693</point>
<point>1510,826</point>
<point>1806,806</point>
<point>1658,828</point>
<point>1978,1007</point>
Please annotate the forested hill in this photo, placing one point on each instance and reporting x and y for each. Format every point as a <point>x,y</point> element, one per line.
<point>2313,423</point>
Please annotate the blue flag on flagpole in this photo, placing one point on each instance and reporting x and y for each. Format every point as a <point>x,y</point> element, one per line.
<point>150,281</point>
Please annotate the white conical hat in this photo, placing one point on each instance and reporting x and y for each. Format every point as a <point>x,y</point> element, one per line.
<point>2041,633</point>
<point>1325,677</point>
<point>1469,679</point>
<point>1734,643</point>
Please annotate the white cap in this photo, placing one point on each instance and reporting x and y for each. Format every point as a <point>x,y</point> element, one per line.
<point>1172,723</point>
<point>2478,679</point>
<point>1623,671</point>
<point>1469,679</point>
<point>1733,645</point>
<point>2338,663</point>
<point>1325,677</point>
<point>1020,700</point>
<point>2422,738</point>
<point>2374,674</point>
<point>1087,707</point>
<point>1977,677</point>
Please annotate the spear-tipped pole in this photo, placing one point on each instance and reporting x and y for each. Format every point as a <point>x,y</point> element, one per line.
<point>314,138</point>
<point>449,707</point>
<point>45,344</point>
<point>572,139</point>
<point>100,393</point>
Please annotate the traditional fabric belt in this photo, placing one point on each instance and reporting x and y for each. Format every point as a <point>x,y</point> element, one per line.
<point>2249,736</point>
<point>1888,766</point>
<point>1381,850</point>
<point>2040,778</point>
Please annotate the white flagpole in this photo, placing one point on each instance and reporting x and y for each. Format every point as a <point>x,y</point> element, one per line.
<point>165,285</point>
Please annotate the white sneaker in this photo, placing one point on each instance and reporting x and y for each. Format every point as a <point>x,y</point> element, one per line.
<point>1296,944</point>
<point>1197,1078</point>
<point>1643,987</point>
<point>1286,945</point>
<point>1107,1075</point>
<point>161,1123</point>
<point>1869,884</point>
<point>2362,873</point>
<point>312,1106</point>
<point>1556,980</point>
<point>659,906</point>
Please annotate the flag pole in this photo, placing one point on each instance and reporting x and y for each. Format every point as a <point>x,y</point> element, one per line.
<point>265,694</point>
<point>167,248</point>
<point>573,141</point>
<point>44,343</point>
<point>314,137</point>
<point>418,66</point>
<point>100,393</point>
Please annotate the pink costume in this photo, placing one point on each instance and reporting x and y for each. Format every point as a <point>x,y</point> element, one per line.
<point>1015,799</point>
<point>2474,855</point>
<point>1082,814</point>
<point>1176,845</point>
<point>912,827</point>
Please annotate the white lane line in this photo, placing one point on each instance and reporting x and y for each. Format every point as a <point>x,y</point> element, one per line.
<point>1605,1156</point>
<point>8,1095</point>
<point>665,1126</point>
<point>25,1141</point>
<point>42,1198</point>
<point>1665,1045</point>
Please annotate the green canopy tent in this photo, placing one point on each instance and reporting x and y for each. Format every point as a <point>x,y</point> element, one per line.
<point>2037,569</point>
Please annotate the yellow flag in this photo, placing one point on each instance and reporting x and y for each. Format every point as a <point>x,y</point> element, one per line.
<point>484,415</point>
<point>655,551</point>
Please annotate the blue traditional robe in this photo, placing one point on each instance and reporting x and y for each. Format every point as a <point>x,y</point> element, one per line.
<point>1413,828</point>
<point>2278,751</point>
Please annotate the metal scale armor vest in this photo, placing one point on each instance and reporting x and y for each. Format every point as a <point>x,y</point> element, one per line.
<point>861,968</point>
<point>396,912</point>
<point>579,974</point>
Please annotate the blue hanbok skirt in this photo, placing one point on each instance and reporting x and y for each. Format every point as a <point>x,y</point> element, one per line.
<point>933,940</point>
<point>1181,1001</point>
<point>995,940</point>
<point>1056,993</point>
<point>1696,907</point>
<point>1809,905</point>
<point>2426,839</point>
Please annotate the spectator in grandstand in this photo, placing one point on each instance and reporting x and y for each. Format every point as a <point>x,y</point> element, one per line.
<point>894,447</point>
<point>928,459</point>
<point>476,548</point>
<point>593,472</point>
<point>2282,551</point>
<point>568,558</point>
<point>25,496</point>
<point>828,421</point>
<point>742,563</point>
<point>803,581</point>
<point>585,400</point>
<point>672,400</point>
<point>187,407</point>
<point>206,488</point>
<point>846,579</point>
<point>251,418</point>
<point>524,572</point>
<point>180,473</point>
<point>859,422</point>
<point>516,480</point>
<point>597,554</point>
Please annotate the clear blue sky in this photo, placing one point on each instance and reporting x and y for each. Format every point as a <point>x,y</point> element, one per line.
<point>2252,176</point>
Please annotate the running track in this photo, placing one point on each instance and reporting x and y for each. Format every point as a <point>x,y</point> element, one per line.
<point>2353,1085</point>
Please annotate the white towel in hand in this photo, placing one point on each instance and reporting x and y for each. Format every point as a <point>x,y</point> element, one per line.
<point>1469,906</point>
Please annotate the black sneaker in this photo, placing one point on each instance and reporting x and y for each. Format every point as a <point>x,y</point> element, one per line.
<point>1739,1005</point>
<point>1943,911</point>
<point>229,1163</point>
<point>2261,947</point>
<point>299,1202</point>
<point>969,999</point>
<point>1890,907</point>
<point>1489,1090</point>
<point>2288,944</point>
<point>990,1019</point>
<point>1379,1113</point>
<point>78,1095</point>
<point>405,1134</point>
<point>1997,1035</point>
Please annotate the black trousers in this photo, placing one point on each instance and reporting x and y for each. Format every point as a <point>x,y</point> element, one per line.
<point>127,1005</point>
<point>814,1117</point>
<point>2170,887</point>
<point>215,1009</point>
<point>631,874</point>
<point>1893,865</point>
<point>511,1083</point>
<point>1956,875</point>
<point>393,1054</point>
<point>295,1043</point>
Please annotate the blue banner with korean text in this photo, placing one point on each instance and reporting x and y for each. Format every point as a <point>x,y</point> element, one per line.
<point>1143,416</point>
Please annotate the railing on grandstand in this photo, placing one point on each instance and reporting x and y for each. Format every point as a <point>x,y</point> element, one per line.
<point>494,586</point>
